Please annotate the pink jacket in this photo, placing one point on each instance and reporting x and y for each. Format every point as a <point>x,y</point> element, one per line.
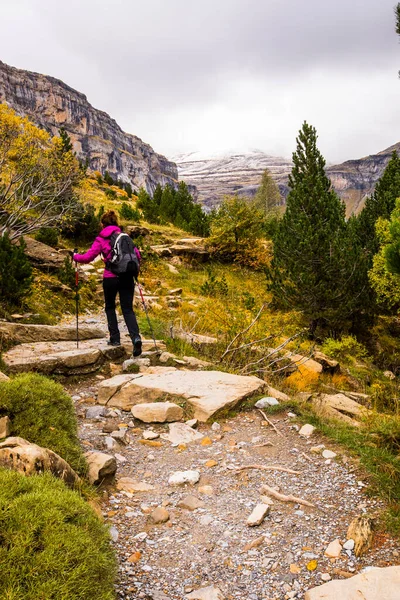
<point>101,245</point>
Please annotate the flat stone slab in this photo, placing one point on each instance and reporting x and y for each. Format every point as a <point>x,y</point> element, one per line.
<point>375,584</point>
<point>62,358</point>
<point>208,392</point>
<point>22,334</point>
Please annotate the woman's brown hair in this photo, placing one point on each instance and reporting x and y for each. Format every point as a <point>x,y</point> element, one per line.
<point>109,218</point>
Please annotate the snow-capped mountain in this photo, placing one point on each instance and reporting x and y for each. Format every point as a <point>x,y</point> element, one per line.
<point>232,173</point>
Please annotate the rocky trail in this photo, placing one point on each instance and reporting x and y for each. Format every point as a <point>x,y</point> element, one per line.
<point>193,512</point>
<point>203,501</point>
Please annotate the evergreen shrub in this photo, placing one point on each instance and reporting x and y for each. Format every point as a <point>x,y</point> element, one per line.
<point>52,544</point>
<point>66,274</point>
<point>15,272</point>
<point>129,213</point>
<point>346,349</point>
<point>42,413</point>
<point>48,236</point>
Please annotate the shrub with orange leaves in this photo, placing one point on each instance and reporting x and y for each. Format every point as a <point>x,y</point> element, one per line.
<point>303,380</point>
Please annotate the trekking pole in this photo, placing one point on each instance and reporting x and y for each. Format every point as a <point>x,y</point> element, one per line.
<point>147,314</point>
<point>77,300</point>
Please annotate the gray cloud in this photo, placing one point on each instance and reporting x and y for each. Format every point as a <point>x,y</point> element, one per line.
<point>221,73</point>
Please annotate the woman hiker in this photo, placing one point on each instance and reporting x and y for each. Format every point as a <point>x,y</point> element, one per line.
<point>123,284</point>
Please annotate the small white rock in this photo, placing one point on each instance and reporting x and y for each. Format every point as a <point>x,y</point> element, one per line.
<point>325,577</point>
<point>349,545</point>
<point>150,435</point>
<point>216,426</point>
<point>182,477</point>
<point>329,454</point>
<point>267,401</point>
<point>334,549</point>
<point>258,515</point>
<point>114,534</point>
<point>307,430</point>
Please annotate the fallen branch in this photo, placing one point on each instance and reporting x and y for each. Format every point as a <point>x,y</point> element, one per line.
<point>284,498</point>
<point>307,457</point>
<point>270,422</point>
<point>269,468</point>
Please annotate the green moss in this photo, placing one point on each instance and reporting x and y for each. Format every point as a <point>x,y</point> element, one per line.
<point>52,544</point>
<point>41,412</point>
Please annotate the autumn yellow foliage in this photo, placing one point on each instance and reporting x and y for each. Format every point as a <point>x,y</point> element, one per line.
<point>303,380</point>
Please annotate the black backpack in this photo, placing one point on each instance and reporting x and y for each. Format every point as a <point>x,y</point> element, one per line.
<point>123,258</point>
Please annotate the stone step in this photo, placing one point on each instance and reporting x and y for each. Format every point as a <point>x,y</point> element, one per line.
<point>64,358</point>
<point>207,392</point>
<point>22,333</point>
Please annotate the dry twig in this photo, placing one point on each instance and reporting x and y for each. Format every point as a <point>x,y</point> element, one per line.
<point>270,422</point>
<point>284,498</point>
<point>269,468</point>
<point>254,321</point>
<point>263,445</point>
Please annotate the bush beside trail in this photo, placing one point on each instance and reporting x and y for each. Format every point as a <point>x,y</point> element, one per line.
<point>42,413</point>
<point>52,544</point>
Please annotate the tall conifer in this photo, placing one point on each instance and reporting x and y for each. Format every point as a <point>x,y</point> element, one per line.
<point>310,271</point>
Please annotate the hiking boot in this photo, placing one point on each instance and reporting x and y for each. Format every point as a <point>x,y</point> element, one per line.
<point>137,347</point>
<point>110,343</point>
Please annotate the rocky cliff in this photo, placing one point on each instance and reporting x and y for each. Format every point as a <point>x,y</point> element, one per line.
<point>52,104</point>
<point>354,180</point>
<point>230,174</point>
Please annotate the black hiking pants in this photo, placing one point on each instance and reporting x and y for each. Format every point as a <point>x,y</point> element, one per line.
<point>125,286</point>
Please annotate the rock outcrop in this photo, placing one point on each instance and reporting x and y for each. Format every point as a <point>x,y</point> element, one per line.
<point>22,333</point>
<point>96,137</point>
<point>354,180</point>
<point>29,459</point>
<point>207,392</point>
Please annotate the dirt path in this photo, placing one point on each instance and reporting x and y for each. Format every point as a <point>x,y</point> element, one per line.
<point>212,545</point>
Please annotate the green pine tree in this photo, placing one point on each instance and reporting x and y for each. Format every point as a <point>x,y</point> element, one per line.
<point>309,270</point>
<point>148,206</point>
<point>15,272</point>
<point>157,196</point>
<point>380,204</point>
<point>168,209</point>
<point>65,140</point>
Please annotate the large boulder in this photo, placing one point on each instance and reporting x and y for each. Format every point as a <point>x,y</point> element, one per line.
<point>375,584</point>
<point>42,256</point>
<point>207,392</point>
<point>30,459</point>
<point>340,407</point>
<point>20,333</point>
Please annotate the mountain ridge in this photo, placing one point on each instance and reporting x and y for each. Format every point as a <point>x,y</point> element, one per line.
<point>96,136</point>
<point>240,173</point>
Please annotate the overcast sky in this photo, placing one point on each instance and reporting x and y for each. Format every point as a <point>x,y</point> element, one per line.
<point>221,75</point>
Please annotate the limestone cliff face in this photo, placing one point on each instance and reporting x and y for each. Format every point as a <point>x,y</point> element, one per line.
<point>50,103</point>
<point>354,180</point>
